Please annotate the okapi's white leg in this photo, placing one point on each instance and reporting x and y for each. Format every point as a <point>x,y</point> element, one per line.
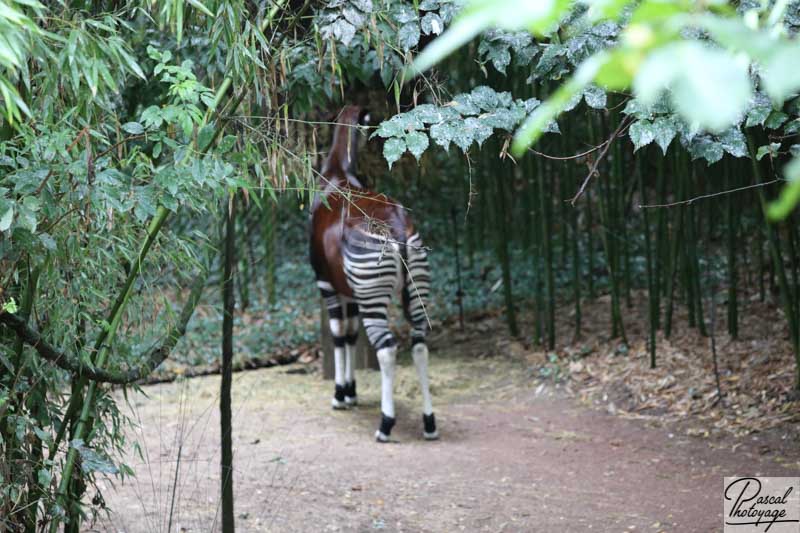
<point>420,354</point>
<point>381,338</point>
<point>417,289</point>
<point>350,339</point>
<point>387,359</point>
<point>337,326</point>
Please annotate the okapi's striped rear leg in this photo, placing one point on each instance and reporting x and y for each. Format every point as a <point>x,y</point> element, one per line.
<point>350,339</point>
<point>376,324</point>
<point>415,295</point>
<point>338,327</point>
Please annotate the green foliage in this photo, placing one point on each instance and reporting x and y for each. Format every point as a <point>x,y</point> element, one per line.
<point>469,119</point>
<point>683,51</point>
<point>15,26</point>
<point>105,128</point>
<point>368,38</point>
<point>497,46</point>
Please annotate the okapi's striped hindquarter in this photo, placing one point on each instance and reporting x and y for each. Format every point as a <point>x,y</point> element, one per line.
<point>365,251</point>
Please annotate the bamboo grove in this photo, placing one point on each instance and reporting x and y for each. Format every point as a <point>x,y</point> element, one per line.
<point>649,225</point>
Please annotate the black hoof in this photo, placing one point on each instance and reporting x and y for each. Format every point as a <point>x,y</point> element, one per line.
<point>429,423</point>
<point>350,397</point>
<point>338,401</point>
<point>387,423</point>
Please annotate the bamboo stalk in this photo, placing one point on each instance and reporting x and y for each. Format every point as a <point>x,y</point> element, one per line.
<point>107,339</point>
<point>590,243</point>
<point>652,288</point>
<point>268,225</point>
<point>731,222</point>
<point>661,257</point>
<point>676,236</point>
<point>694,260</point>
<point>777,261</point>
<point>226,428</point>
<point>546,228</point>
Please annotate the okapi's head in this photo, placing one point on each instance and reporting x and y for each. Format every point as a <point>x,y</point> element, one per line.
<point>342,159</point>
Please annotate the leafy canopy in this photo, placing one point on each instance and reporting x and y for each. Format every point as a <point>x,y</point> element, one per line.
<point>696,69</point>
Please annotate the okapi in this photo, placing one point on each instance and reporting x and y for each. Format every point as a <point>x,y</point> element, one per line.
<point>363,249</point>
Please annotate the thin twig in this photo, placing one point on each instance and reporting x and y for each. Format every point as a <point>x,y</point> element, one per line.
<point>712,195</point>
<point>623,123</point>
<point>567,158</point>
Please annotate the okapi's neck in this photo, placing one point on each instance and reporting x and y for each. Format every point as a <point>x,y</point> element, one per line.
<point>342,159</point>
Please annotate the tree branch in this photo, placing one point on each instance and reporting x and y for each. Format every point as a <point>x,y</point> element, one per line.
<point>617,133</point>
<point>153,359</point>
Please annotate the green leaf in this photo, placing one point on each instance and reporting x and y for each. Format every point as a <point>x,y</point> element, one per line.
<point>226,144</point>
<point>417,142</point>
<point>393,149</point>
<point>43,477</point>
<point>10,306</point>
<point>641,133</point>
<point>443,134</point>
<point>408,36</point>
<point>760,108</point>
<point>343,31</point>
<point>91,461</point>
<point>595,97</point>
<point>200,7</point>
<point>390,128</point>
<point>704,147</point>
<point>204,137</point>
<point>496,44</point>
<point>47,241</point>
<point>432,24</point>
<point>134,128</point>
<point>770,149</point>
<point>31,203</point>
<point>477,130</point>
<point>734,142</point>
<point>6,219</point>
<point>462,136</point>
<point>775,120</point>
<point>354,16</point>
<point>664,130</point>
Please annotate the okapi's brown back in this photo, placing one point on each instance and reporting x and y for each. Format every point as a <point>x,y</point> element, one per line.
<point>352,210</point>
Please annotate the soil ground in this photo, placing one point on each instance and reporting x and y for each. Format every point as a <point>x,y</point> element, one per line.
<point>515,454</point>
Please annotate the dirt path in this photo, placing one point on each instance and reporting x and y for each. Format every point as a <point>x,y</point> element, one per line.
<point>514,456</point>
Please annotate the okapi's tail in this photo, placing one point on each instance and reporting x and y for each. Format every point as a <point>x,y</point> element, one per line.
<point>404,267</point>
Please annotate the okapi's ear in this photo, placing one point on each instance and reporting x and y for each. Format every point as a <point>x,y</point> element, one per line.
<point>364,117</point>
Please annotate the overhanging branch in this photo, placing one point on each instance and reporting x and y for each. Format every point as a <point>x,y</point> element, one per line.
<point>72,364</point>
